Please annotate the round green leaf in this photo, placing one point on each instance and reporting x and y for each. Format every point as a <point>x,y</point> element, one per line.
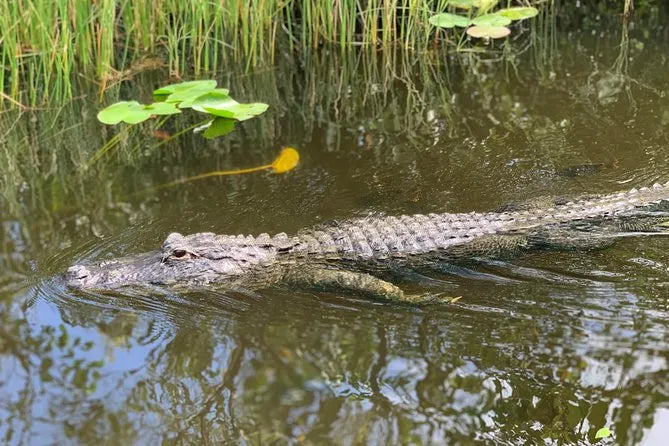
<point>187,95</point>
<point>162,108</point>
<point>603,433</point>
<point>491,20</point>
<point>131,112</point>
<point>519,13</point>
<point>219,127</point>
<point>238,111</point>
<point>137,116</point>
<point>114,113</point>
<point>184,91</point>
<point>219,104</point>
<point>196,93</point>
<point>208,84</point>
<point>464,4</point>
<point>490,32</point>
<point>448,20</point>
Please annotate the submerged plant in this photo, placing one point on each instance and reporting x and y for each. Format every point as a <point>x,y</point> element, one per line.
<point>285,162</point>
<point>201,96</point>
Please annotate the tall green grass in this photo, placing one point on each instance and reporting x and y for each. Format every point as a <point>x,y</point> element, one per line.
<point>44,44</point>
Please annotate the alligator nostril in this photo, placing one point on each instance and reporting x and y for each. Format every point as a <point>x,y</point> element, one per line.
<point>77,272</point>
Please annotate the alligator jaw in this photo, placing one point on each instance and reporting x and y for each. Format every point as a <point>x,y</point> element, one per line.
<point>127,271</point>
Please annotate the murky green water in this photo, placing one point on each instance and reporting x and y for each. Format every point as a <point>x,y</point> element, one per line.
<point>546,348</point>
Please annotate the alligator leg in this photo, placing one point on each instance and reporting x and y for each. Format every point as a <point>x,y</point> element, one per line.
<point>358,283</point>
<point>495,245</point>
<point>574,240</point>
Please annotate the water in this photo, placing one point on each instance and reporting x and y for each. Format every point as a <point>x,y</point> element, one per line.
<point>547,348</point>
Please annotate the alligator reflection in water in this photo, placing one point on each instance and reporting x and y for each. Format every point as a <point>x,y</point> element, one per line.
<point>335,256</point>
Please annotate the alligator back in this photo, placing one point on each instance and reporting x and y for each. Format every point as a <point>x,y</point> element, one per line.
<point>409,235</point>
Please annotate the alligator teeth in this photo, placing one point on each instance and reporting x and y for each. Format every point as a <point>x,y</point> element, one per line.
<point>657,186</point>
<point>633,191</point>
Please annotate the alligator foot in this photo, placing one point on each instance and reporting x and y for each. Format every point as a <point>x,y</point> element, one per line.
<point>358,283</point>
<point>427,299</point>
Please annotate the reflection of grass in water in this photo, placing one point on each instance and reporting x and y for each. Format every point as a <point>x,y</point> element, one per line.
<point>61,164</point>
<point>45,42</point>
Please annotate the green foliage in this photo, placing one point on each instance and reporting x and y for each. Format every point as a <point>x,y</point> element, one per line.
<point>448,20</point>
<point>175,89</point>
<point>220,104</point>
<point>464,4</point>
<point>202,96</point>
<point>45,42</point>
<point>603,433</point>
<point>520,13</point>
<point>132,112</point>
<point>484,24</point>
<point>219,127</point>
<point>490,32</point>
<point>491,20</point>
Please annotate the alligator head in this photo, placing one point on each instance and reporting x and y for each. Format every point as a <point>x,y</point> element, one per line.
<point>194,259</point>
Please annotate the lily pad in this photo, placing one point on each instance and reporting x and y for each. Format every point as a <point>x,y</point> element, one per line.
<point>602,433</point>
<point>184,91</point>
<point>196,93</point>
<point>219,127</point>
<point>464,4</point>
<point>219,104</point>
<point>491,20</point>
<point>448,20</point>
<point>519,13</point>
<point>131,112</point>
<point>208,84</point>
<point>490,32</point>
<point>162,108</point>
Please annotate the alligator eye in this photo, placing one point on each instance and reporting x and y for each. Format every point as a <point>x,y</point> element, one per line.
<point>179,253</point>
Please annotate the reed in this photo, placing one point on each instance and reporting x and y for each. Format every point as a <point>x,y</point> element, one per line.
<point>45,43</point>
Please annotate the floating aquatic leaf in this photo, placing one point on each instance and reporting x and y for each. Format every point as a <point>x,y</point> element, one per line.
<point>518,13</point>
<point>464,4</point>
<point>219,127</point>
<point>131,112</point>
<point>195,94</point>
<point>603,433</point>
<point>448,20</point>
<point>185,92</point>
<point>208,84</point>
<point>162,108</point>
<point>491,32</point>
<point>491,20</point>
<point>220,104</point>
<point>287,160</point>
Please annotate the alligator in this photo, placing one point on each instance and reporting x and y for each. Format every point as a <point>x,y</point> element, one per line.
<point>350,255</point>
